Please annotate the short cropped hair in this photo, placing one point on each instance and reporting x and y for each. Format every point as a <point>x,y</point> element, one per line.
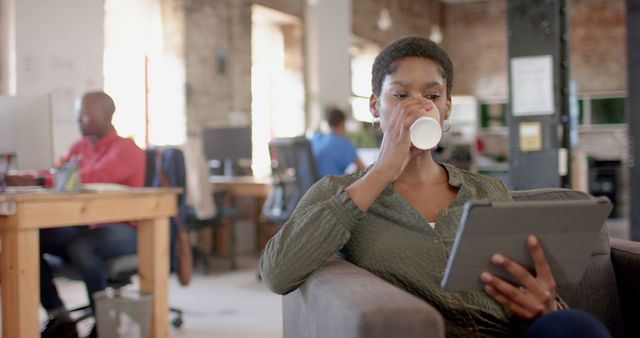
<point>410,46</point>
<point>335,117</point>
<point>103,99</point>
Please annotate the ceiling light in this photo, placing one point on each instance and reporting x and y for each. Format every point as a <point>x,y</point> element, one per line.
<point>384,21</point>
<point>436,34</point>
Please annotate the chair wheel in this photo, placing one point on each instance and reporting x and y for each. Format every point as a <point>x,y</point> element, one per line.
<point>177,323</point>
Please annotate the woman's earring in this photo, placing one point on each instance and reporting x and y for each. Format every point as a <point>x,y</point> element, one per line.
<point>448,126</point>
<point>374,121</point>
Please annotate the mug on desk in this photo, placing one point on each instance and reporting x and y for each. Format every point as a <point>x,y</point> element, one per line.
<point>66,179</point>
<point>5,170</point>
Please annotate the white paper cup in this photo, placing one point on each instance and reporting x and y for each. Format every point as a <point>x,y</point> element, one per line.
<point>425,133</point>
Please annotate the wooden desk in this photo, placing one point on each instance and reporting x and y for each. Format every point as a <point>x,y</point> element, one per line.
<point>19,256</point>
<point>243,186</point>
<point>257,188</point>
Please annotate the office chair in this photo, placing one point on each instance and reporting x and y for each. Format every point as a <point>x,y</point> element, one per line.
<point>294,172</point>
<point>225,214</point>
<point>165,167</point>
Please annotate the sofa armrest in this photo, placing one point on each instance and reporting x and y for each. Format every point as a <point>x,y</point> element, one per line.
<point>344,300</point>
<point>625,256</point>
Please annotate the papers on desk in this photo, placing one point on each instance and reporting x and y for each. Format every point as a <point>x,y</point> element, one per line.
<point>103,187</point>
<point>28,189</point>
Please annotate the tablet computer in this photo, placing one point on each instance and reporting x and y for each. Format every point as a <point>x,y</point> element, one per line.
<point>567,230</point>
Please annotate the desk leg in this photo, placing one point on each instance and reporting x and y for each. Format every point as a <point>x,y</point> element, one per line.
<point>153,255</point>
<point>264,229</point>
<point>19,268</point>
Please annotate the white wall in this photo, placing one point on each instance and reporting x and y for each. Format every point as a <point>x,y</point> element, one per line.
<point>59,51</point>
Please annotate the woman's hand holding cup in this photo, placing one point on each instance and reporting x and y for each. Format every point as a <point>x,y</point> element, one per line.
<point>396,150</point>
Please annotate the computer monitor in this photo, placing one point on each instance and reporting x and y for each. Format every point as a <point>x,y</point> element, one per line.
<point>228,150</point>
<point>26,131</point>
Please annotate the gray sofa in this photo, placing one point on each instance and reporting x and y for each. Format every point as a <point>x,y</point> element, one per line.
<point>342,300</point>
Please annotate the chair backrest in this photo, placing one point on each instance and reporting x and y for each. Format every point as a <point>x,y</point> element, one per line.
<point>166,168</point>
<point>294,172</point>
<point>597,292</point>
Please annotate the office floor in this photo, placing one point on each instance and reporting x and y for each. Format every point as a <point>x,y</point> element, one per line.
<point>222,304</point>
<point>228,304</point>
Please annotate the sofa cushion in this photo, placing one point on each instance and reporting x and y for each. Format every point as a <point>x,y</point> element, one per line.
<point>596,293</point>
<point>346,301</point>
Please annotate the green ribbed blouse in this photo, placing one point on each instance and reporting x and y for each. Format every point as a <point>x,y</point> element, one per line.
<point>393,241</point>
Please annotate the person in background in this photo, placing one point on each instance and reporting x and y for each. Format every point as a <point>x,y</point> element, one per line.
<point>103,157</point>
<point>333,152</point>
<point>398,218</point>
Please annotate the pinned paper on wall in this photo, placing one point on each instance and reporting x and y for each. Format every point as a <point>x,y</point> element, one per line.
<point>30,68</point>
<point>62,105</point>
<point>532,85</point>
<point>63,68</point>
<point>530,136</point>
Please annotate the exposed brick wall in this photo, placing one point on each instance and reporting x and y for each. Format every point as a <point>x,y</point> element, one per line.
<point>475,36</point>
<point>408,17</point>
<point>212,26</point>
<point>598,45</point>
<point>239,58</point>
<point>217,97</point>
<point>206,34</point>
<point>293,7</point>
<point>218,61</point>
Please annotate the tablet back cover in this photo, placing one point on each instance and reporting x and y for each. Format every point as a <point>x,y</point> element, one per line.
<point>567,231</point>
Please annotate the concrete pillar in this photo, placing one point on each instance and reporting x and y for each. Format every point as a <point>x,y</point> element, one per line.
<point>328,38</point>
<point>7,45</point>
<point>633,114</point>
<point>538,93</point>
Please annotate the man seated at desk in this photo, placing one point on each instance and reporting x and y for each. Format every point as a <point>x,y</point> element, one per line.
<point>103,157</point>
<point>333,152</point>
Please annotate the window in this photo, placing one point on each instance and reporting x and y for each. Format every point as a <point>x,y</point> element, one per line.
<point>362,56</point>
<point>278,92</point>
<point>592,110</point>
<point>146,84</point>
<point>601,110</point>
<point>493,115</point>
<point>610,110</point>
<point>580,112</point>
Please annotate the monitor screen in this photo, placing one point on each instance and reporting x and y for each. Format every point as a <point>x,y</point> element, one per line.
<point>26,131</point>
<point>227,143</point>
<point>228,150</point>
